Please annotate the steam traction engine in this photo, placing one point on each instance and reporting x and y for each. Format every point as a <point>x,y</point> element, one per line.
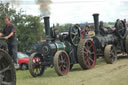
<point>108,43</point>
<point>59,50</point>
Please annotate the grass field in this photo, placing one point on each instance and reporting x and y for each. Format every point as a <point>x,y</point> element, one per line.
<point>101,74</point>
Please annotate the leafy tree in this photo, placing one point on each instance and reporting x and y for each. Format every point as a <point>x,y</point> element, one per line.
<point>29,28</point>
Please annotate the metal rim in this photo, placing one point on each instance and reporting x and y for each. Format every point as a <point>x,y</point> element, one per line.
<point>110,54</point>
<point>89,54</point>
<point>113,54</point>
<point>61,63</point>
<point>121,29</point>
<point>35,65</point>
<point>86,53</point>
<point>7,70</point>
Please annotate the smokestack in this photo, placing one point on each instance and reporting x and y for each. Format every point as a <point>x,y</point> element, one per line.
<point>47,26</point>
<point>96,23</point>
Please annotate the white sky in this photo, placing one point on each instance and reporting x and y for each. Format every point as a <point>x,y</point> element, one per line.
<point>79,11</point>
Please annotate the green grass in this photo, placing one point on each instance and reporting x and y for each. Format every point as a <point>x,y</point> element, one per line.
<point>48,78</point>
<point>101,74</point>
<point>51,78</point>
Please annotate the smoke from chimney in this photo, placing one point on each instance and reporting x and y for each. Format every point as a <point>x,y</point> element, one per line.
<point>44,6</point>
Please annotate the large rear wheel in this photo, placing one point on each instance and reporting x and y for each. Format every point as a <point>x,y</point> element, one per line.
<point>86,54</point>
<point>7,70</point>
<point>121,29</point>
<point>35,65</point>
<point>61,63</point>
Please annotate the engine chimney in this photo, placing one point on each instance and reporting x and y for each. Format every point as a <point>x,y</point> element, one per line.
<point>96,23</point>
<point>47,26</point>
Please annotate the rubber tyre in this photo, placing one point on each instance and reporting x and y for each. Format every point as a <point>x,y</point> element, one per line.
<point>31,69</point>
<point>110,54</point>
<point>56,63</point>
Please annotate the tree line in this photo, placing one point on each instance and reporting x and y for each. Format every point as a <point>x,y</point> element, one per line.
<point>29,27</point>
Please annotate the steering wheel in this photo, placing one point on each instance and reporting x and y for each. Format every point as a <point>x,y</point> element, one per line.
<point>121,29</point>
<point>74,35</point>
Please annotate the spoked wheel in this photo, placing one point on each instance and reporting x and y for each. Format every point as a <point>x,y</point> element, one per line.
<point>61,63</point>
<point>110,54</point>
<point>121,29</point>
<point>86,54</point>
<point>7,70</point>
<point>74,34</point>
<point>35,65</point>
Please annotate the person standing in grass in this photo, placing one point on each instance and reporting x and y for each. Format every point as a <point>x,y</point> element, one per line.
<point>9,31</point>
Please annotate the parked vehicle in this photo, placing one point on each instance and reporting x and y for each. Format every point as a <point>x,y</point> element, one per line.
<point>23,60</point>
<point>58,51</point>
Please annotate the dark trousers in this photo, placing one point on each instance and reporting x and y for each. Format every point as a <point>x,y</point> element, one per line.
<point>12,50</point>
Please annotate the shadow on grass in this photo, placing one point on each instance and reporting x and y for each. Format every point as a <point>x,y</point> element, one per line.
<point>51,73</point>
<point>76,67</point>
<point>122,57</point>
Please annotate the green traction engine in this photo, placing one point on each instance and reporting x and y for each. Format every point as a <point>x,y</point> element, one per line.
<point>58,51</point>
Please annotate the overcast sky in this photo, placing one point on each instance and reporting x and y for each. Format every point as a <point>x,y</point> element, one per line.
<point>79,11</point>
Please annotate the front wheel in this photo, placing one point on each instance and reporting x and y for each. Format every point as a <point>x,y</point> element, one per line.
<point>61,63</point>
<point>110,54</point>
<point>35,65</point>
